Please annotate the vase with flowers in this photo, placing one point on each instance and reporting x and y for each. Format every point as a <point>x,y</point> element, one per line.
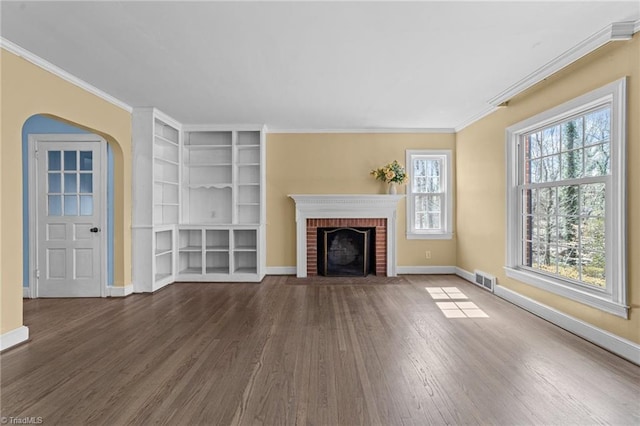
<point>393,173</point>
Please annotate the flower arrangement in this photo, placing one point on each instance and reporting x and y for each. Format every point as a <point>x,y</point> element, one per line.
<point>391,173</point>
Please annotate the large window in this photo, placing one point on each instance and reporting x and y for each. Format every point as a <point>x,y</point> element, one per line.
<point>566,200</point>
<point>429,198</point>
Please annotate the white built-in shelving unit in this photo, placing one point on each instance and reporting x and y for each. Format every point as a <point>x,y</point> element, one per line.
<point>221,236</point>
<point>204,220</point>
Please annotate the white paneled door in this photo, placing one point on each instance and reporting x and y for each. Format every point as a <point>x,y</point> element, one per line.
<point>69,215</point>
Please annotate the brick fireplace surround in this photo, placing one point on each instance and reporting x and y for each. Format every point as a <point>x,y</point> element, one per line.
<point>329,211</point>
<point>380,247</point>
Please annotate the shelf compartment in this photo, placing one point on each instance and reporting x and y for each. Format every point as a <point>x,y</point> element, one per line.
<point>198,154</point>
<point>190,240</point>
<point>165,193</point>
<point>165,171</point>
<point>165,214</point>
<point>217,263</point>
<point>248,194</point>
<point>248,137</point>
<point>209,138</point>
<point>249,155</point>
<point>164,242</point>
<point>248,173</point>
<point>210,175</point>
<point>245,239</point>
<point>190,263</point>
<point>249,213</point>
<point>165,149</point>
<point>217,240</point>
<point>210,205</point>
<point>166,131</point>
<point>245,262</point>
<point>164,267</point>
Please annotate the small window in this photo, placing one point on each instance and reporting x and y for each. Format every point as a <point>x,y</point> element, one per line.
<point>429,198</point>
<point>565,200</point>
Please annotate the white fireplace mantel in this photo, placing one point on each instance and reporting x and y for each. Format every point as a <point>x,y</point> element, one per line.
<point>338,206</point>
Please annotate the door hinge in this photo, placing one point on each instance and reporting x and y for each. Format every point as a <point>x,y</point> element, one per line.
<point>35,153</point>
<point>38,273</point>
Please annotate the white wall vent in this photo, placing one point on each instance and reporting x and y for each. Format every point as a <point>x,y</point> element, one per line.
<point>485,280</point>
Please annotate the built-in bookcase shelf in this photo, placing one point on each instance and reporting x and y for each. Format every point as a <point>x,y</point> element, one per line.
<point>199,202</point>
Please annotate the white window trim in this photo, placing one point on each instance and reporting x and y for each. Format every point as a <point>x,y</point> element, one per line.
<point>614,299</point>
<point>447,232</point>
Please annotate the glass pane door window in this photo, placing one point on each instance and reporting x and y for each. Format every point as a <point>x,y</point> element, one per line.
<point>70,188</point>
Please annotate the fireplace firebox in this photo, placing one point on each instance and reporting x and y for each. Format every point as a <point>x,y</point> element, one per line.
<point>346,251</point>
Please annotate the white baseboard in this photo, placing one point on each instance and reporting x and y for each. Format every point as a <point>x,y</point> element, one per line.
<point>119,291</point>
<point>622,347</point>
<point>425,270</point>
<point>26,292</point>
<point>466,275</point>
<point>13,337</point>
<point>281,270</point>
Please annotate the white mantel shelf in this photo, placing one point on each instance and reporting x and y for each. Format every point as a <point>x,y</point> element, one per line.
<point>323,206</point>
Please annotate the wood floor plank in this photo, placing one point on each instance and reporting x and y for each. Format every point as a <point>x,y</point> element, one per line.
<point>313,351</point>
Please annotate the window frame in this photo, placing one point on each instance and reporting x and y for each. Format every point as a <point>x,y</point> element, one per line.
<point>612,299</point>
<point>446,213</point>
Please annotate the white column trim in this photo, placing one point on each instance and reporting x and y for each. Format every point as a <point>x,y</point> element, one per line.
<point>14,337</point>
<point>426,270</point>
<point>120,291</point>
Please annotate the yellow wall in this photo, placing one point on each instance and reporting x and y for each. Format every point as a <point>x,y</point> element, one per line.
<point>331,163</point>
<point>481,178</point>
<point>28,90</point>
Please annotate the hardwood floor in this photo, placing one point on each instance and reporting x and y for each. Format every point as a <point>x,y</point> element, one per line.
<point>311,351</point>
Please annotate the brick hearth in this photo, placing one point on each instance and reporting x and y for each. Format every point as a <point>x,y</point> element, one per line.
<point>381,240</point>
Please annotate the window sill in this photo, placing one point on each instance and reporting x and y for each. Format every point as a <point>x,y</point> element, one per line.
<point>579,295</point>
<point>443,236</point>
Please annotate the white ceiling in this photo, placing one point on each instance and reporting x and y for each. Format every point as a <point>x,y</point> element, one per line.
<point>307,65</point>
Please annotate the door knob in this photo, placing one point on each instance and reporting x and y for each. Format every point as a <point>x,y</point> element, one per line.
<point>94,229</point>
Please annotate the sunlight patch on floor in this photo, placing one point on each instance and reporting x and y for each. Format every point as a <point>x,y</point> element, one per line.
<point>455,309</point>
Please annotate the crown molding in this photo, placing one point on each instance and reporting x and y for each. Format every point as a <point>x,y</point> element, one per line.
<point>614,32</point>
<point>486,111</point>
<point>362,130</point>
<point>59,72</point>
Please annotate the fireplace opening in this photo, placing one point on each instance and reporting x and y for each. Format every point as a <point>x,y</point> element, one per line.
<point>346,251</point>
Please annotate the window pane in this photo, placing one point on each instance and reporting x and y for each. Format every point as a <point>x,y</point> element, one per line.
<point>533,171</point>
<point>569,200</point>
<point>433,221</point>
<point>546,204</point>
<point>593,268</point>
<point>420,168</point>
<point>592,232</point>
<point>86,183</point>
<point>86,160</point>
<point>592,199</point>
<point>572,134</point>
<point>55,205</point>
<point>86,205</point>
<point>54,160</point>
<point>597,126</point>
<point>71,205</point>
<point>598,160</point>
<point>550,168</point>
<point>572,164</point>
<point>55,184</point>
<point>70,183</point>
<point>433,184</point>
<point>419,184</point>
<point>551,140</point>
<point>433,204</point>
<point>433,167</point>
<point>535,145</point>
<point>70,160</point>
